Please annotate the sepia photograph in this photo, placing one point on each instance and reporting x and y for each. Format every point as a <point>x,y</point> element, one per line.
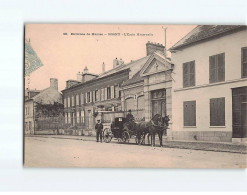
<point>135,96</point>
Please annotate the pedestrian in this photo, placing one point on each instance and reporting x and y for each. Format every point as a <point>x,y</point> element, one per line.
<point>99,128</point>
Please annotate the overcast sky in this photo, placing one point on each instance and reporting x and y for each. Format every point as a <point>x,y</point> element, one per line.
<point>64,56</point>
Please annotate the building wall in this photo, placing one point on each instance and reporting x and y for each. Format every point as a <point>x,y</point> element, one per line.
<point>133,99</point>
<point>202,91</point>
<point>28,117</point>
<point>89,108</point>
<point>158,81</point>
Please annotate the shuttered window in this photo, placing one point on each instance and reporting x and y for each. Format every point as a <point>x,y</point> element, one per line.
<point>112,92</point>
<point>105,91</point>
<point>217,68</point>
<point>108,92</point>
<point>189,74</point>
<point>116,91</point>
<point>68,101</point>
<point>217,112</point>
<point>77,100</point>
<point>244,62</point>
<point>65,102</point>
<point>103,94</point>
<point>82,99</point>
<point>190,113</point>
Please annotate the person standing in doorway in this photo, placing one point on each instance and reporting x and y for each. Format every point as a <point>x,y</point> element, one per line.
<point>99,128</point>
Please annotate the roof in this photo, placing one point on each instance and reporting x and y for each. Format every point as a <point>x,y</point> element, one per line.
<point>135,79</point>
<point>47,96</point>
<point>118,69</point>
<point>203,32</point>
<point>124,66</point>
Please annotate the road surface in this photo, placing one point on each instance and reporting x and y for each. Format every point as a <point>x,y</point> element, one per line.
<point>54,152</point>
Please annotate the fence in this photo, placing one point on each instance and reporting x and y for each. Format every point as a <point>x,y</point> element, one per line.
<point>49,123</point>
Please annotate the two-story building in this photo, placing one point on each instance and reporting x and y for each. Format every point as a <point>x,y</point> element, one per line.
<point>148,92</point>
<point>210,84</point>
<point>46,96</point>
<point>102,96</point>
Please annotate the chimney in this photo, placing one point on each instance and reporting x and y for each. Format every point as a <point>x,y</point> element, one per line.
<point>79,77</point>
<point>153,47</point>
<point>103,67</point>
<point>85,70</point>
<point>54,83</point>
<point>117,62</point>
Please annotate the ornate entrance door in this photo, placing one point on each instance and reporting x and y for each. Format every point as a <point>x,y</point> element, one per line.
<point>159,102</point>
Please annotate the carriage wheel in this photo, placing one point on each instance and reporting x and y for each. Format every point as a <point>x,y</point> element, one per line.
<point>125,137</point>
<point>107,135</point>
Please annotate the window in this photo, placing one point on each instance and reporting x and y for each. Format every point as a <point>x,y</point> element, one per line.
<point>65,102</point>
<point>73,101</point>
<point>116,91</point>
<point>217,68</point>
<point>244,62</point>
<point>102,94</point>
<point>190,113</point>
<point>112,92</point>
<point>189,74</point>
<point>77,100</point>
<point>96,95</point>
<point>68,101</point>
<point>82,99</point>
<point>66,118</point>
<point>217,112</point>
<point>88,97</point>
<point>82,117</point>
<point>108,92</point>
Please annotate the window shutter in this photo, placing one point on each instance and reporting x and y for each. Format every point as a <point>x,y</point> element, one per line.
<point>193,113</point>
<point>117,91</point>
<point>102,94</point>
<point>186,114</point>
<point>221,67</point>
<point>86,97</point>
<point>82,99</point>
<point>68,101</point>
<point>190,113</point>
<point>105,93</point>
<point>217,112</point>
<point>244,62</point>
<point>112,92</point>
<point>222,111</point>
<point>92,96</point>
<point>192,74</point>
<point>212,69</point>
<point>185,75</point>
<point>65,102</point>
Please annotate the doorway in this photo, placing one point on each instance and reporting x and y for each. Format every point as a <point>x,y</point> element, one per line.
<point>239,112</point>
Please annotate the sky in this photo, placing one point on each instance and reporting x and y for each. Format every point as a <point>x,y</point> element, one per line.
<point>63,56</point>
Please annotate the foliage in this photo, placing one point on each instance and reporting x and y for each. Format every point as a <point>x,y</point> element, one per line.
<point>48,110</point>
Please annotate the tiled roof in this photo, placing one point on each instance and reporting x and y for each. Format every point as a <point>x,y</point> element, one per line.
<point>117,69</point>
<point>125,66</point>
<point>202,32</point>
<point>135,79</point>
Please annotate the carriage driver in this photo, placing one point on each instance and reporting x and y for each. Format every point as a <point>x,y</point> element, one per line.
<point>129,116</point>
<point>99,128</point>
<point>130,119</point>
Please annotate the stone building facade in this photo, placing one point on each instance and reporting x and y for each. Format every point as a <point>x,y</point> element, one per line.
<point>32,97</point>
<point>111,93</point>
<point>210,90</point>
<point>148,92</point>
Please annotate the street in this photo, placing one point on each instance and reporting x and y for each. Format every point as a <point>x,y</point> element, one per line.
<point>55,152</point>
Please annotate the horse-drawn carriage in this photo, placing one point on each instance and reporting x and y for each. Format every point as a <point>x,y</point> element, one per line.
<point>123,130</point>
<point>118,131</point>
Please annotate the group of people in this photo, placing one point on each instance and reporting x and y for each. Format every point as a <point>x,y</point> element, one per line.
<point>99,126</point>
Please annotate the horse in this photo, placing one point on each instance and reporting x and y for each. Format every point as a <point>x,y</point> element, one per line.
<point>151,127</point>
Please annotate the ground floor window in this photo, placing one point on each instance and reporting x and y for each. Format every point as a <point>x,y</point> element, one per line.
<point>190,113</point>
<point>217,112</point>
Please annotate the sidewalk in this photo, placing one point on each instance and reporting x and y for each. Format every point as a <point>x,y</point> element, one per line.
<point>193,145</point>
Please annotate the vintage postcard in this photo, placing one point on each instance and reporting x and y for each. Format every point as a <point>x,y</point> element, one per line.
<point>135,96</point>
